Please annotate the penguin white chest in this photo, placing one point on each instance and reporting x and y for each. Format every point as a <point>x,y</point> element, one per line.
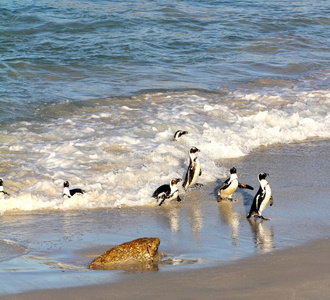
<point>230,189</point>
<point>66,192</point>
<point>197,169</point>
<point>173,195</point>
<point>267,195</point>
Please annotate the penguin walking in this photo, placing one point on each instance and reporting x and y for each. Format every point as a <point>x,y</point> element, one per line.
<point>262,198</point>
<point>194,169</point>
<point>70,192</point>
<point>2,191</point>
<point>178,134</point>
<point>229,187</point>
<point>168,192</point>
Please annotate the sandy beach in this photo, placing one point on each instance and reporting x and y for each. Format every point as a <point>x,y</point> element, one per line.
<point>294,273</point>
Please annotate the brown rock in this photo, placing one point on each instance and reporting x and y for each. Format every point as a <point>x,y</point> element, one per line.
<point>140,254</point>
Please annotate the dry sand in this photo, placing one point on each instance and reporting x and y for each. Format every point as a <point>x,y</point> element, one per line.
<point>294,273</point>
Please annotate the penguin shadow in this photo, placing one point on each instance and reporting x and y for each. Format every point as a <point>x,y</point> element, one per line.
<point>247,201</point>
<point>263,235</point>
<point>215,191</point>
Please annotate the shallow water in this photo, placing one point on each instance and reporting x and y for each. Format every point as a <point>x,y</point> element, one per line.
<point>199,230</point>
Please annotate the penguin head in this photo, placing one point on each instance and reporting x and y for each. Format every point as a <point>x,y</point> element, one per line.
<point>66,184</point>
<point>263,176</point>
<point>193,150</point>
<point>233,170</point>
<point>175,181</point>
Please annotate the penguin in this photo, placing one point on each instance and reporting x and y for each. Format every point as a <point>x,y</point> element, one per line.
<point>2,191</point>
<point>69,193</point>
<point>167,192</point>
<point>194,169</point>
<point>178,134</point>
<point>262,198</point>
<point>229,187</point>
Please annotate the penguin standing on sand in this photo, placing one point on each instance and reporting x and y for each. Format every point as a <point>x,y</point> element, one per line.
<point>194,169</point>
<point>262,198</point>
<point>229,187</point>
<point>69,193</point>
<point>167,192</point>
<point>2,191</point>
<point>178,134</point>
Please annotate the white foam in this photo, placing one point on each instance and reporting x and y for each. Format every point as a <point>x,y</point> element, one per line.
<point>122,160</point>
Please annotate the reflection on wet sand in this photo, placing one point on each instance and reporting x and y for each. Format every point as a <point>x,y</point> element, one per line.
<point>263,235</point>
<point>173,216</point>
<point>229,216</point>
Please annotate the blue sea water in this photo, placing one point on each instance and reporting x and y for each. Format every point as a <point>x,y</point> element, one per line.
<point>57,51</point>
<point>92,92</point>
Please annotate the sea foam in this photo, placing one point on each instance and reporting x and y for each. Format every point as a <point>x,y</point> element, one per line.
<point>121,150</point>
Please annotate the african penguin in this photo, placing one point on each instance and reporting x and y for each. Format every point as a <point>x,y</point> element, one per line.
<point>167,192</point>
<point>194,169</point>
<point>178,134</point>
<point>229,187</point>
<point>262,198</point>
<point>2,191</point>
<point>70,192</point>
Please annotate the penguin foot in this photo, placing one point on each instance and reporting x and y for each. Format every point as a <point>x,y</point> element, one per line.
<point>198,184</point>
<point>252,214</point>
<point>263,218</point>
<point>229,200</point>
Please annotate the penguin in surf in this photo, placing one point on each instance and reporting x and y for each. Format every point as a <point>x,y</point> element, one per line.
<point>262,198</point>
<point>2,191</point>
<point>178,134</point>
<point>229,187</point>
<point>70,192</point>
<point>167,192</point>
<point>194,169</point>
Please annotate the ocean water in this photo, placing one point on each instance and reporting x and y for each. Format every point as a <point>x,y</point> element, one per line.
<point>93,91</point>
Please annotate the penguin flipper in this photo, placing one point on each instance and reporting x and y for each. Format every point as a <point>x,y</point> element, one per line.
<point>76,191</point>
<point>188,177</point>
<point>271,201</point>
<point>245,186</point>
<point>163,200</point>
<point>255,204</point>
<point>224,185</point>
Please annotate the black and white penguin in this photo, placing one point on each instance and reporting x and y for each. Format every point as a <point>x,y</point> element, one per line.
<point>229,187</point>
<point>2,191</point>
<point>69,193</point>
<point>168,192</point>
<point>194,169</point>
<point>262,198</point>
<point>178,134</point>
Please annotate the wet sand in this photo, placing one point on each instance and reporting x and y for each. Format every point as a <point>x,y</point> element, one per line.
<point>295,273</point>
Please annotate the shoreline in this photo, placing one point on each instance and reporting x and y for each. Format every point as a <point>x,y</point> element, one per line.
<point>300,272</point>
<point>244,258</point>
